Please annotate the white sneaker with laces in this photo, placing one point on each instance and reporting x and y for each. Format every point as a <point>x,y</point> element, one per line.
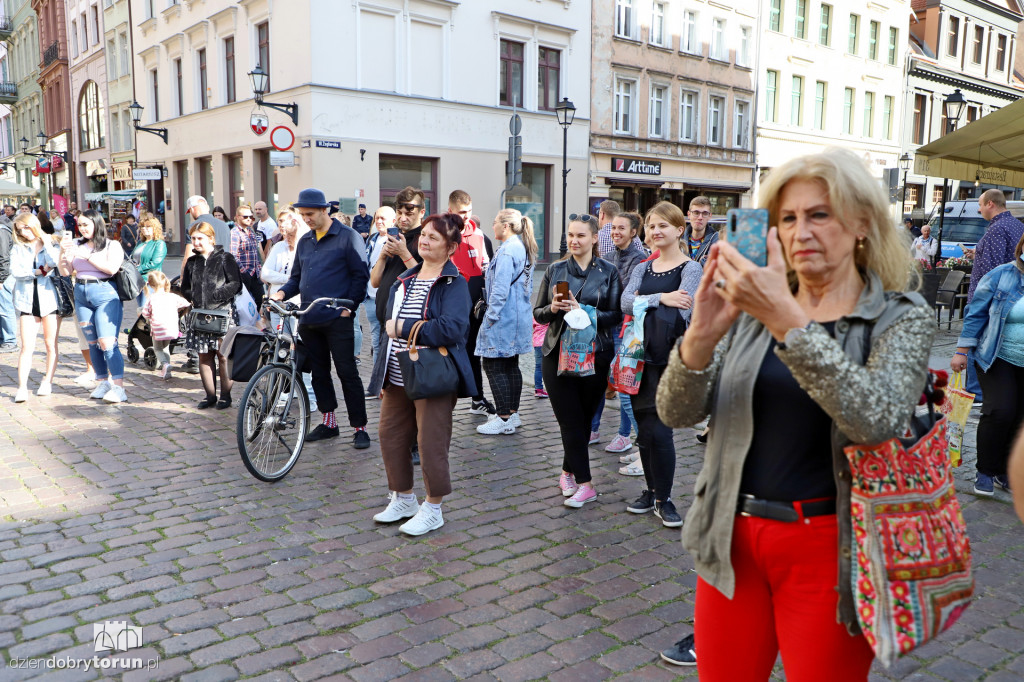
<point>514,420</point>
<point>425,521</point>
<point>397,509</point>
<point>495,426</point>
<point>87,380</point>
<point>45,388</point>
<point>101,390</point>
<point>116,394</point>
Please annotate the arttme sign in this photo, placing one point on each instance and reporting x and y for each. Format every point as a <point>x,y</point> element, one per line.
<point>636,166</point>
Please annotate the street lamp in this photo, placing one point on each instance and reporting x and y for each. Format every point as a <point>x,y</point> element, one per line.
<point>565,111</point>
<point>904,166</point>
<point>953,107</point>
<point>24,145</point>
<point>136,111</point>
<point>260,80</point>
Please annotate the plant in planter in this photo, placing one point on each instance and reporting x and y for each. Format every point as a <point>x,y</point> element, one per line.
<point>963,264</point>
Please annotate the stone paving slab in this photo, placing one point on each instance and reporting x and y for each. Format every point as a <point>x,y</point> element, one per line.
<point>143,513</point>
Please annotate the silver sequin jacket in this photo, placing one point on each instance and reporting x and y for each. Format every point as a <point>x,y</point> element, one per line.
<point>868,403</point>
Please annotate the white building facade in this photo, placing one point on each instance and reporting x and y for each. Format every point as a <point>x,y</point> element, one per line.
<point>88,81</point>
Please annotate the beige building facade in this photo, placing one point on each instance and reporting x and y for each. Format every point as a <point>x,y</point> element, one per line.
<point>673,102</point>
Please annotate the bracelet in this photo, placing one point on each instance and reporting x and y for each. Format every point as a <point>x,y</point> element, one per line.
<point>956,352</point>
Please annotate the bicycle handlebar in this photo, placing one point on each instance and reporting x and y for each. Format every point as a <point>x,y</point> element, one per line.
<point>279,306</point>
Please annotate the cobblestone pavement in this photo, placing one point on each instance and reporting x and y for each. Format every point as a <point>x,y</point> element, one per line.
<point>143,513</point>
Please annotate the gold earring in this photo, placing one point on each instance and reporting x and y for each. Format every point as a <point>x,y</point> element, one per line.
<point>860,243</point>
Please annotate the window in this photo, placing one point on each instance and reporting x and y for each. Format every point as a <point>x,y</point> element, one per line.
<point>179,90</point>
<point>115,132</point>
<point>800,19</point>
<point>111,60</point>
<point>549,65</point>
<point>150,12</point>
<point>912,199</point>
<point>719,50</point>
<point>688,115</point>
<point>848,111</point>
<point>741,124</point>
<point>887,105</point>
<point>920,119</point>
<point>851,43</point>
<point>204,97</point>
<point>625,94</point>
<point>154,84</point>
<point>715,107</point>
<point>820,90</point>
<point>125,54</point>
<point>74,38</point>
<point>511,87</point>
<point>775,16</point>
<point>873,28</point>
<point>1000,53</point>
<point>869,114</point>
<point>796,101</point>
<point>85,33</point>
<point>625,20</point>
<point>128,129</point>
<point>972,114</point>
<point>743,58</point>
<point>396,172</point>
<point>658,24</point>
<point>95,24</point>
<point>771,105</point>
<point>953,36</point>
<point>688,40</point>
<point>263,48</point>
<point>937,192</point>
<point>229,69</point>
<point>90,118</point>
<point>979,42</point>
<point>825,26</point>
<point>656,125</point>
<point>894,39</point>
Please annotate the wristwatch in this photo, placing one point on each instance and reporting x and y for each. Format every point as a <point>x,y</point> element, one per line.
<point>793,334</point>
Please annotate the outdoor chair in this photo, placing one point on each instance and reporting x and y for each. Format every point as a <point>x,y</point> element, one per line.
<point>947,296</point>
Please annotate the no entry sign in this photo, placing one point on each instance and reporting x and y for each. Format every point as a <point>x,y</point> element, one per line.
<point>282,138</point>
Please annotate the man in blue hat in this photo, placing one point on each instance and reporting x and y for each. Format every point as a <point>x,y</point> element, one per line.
<point>329,261</point>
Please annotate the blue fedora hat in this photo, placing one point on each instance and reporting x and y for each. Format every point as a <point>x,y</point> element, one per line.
<point>311,198</point>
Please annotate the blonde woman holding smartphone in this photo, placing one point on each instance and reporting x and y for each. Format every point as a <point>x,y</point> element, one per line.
<point>33,262</point>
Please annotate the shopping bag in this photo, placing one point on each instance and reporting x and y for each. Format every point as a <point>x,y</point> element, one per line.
<point>956,407</point>
<point>576,351</point>
<point>628,365</point>
<point>248,312</point>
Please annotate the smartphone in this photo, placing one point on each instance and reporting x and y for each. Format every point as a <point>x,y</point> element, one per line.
<point>562,289</point>
<point>747,230</point>
<point>393,232</point>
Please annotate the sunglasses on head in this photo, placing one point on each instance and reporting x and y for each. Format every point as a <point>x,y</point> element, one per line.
<point>408,208</point>
<point>585,217</point>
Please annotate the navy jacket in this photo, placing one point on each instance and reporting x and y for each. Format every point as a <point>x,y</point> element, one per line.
<point>334,266</point>
<point>447,316</point>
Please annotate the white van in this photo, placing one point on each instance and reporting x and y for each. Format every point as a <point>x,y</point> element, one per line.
<point>963,226</point>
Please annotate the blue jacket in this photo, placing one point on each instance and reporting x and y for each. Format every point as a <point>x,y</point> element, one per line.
<point>507,329</point>
<point>995,296</point>
<point>447,316</point>
<point>334,266</point>
<point>24,272</point>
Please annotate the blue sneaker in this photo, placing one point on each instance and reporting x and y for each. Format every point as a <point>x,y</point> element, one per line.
<point>983,485</point>
<point>1003,482</point>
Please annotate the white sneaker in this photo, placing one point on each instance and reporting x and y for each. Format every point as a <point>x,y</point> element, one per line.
<point>21,396</point>
<point>397,510</point>
<point>87,380</point>
<point>101,390</point>
<point>116,394</point>
<point>496,425</point>
<point>514,420</point>
<point>45,388</point>
<point>425,521</point>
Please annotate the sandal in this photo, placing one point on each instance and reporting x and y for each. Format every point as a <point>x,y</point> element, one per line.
<point>630,458</point>
<point>633,469</point>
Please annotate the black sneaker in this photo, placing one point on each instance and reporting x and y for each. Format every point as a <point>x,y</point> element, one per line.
<point>666,511</point>
<point>415,455</point>
<point>361,440</point>
<point>482,406</point>
<point>643,504</point>
<point>681,653</point>
<point>702,437</point>
<point>322,433</point>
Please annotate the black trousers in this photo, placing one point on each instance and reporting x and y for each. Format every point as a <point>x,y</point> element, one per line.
<point>657,451</point>
<point>1001,415</point>
<point>474,361</point>
<point>335,339</point>
<point>574,401</point>
<point>506,380</point>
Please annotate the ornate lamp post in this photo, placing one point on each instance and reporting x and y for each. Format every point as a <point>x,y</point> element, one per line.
<point>565,111</point>
<point>953,106</point>
<point>260,80</point>
<point>136,111</point>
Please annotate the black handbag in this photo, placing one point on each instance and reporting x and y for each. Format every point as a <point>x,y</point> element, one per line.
<point>427,372</point>
<point>211,321</point>
<point>65,293</point>
<point>479,311</point>
<point>128,280</point>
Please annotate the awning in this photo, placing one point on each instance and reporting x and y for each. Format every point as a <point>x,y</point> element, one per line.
<point>990,149</point>
<point>116,195</point>
<point>13,189</point>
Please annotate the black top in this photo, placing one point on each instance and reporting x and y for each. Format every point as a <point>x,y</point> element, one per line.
<point>393,267</point>
<point>663,325</point>
<point>790,456</point>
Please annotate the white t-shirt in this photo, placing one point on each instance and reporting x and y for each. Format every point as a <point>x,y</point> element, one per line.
<point>267,227</point>
<point>277,268</point>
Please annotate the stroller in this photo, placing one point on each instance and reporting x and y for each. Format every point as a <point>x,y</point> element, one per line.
<point>140,332</point>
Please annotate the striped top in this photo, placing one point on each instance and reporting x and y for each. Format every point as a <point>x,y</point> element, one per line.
<point>413,305</point>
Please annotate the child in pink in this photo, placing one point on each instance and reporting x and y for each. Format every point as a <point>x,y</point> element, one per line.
<point>162,312</point>
<point>538,378</point>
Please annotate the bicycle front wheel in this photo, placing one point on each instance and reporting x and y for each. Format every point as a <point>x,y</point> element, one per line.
<point>273,419</point>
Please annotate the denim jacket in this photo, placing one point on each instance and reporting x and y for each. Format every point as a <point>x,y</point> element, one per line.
<point>507,329</point>
<point>994,297</point>
<point>24,272</point>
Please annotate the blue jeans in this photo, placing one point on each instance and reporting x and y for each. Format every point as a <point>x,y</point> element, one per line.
<point>973,385</point>
<point>538,375</point>
<point>595,424</point>
<point>99,312</point>
<point>369,306</point>
<point>626,418</point>
<point>8,319</point>
<point>142,298</point>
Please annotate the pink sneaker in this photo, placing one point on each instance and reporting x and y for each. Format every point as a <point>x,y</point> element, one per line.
<point>568,485</point>
<point>595,437</point>
<point>619,444</point>
<point>584,494</point>
<point>540,393</point>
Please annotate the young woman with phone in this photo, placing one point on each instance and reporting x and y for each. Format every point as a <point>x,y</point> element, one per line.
<point>581,278</point>
<point>33,262</point>
<point>668,284</point>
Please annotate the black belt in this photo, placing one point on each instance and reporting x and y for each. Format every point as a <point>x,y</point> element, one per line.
<point>789,512</point>
<point>91,280</point>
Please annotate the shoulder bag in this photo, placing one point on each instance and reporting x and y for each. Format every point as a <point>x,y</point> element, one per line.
<point>427,372</point>
<point>65,293</point>
<point>480,307</point>
<point>210,320</point>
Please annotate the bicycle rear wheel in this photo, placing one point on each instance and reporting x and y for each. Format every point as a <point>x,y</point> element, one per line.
<point>273,419</point>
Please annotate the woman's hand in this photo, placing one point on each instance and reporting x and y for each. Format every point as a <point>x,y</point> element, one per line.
<point>390,329</point>
<point>711,318</point>
<point>958,362</point>
<point>563,306</point>
<point>677,299</point>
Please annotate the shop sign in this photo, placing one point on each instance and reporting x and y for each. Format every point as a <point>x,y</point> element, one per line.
<point>636,166</point>
<point>122,171</point>
<point>147,174</point>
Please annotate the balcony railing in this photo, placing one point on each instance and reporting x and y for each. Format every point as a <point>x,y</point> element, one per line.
<point>52,54</point>
<point>6,27</point>
<point>8,91</point>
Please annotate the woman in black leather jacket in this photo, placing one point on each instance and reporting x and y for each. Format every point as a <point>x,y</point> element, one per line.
<point>595,282</point>
<point>211,280</point>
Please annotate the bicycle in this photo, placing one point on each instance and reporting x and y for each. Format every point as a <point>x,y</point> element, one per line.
<point>273,416</point>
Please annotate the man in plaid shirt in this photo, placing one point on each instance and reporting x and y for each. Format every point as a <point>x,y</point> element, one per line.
<point>245,247</point>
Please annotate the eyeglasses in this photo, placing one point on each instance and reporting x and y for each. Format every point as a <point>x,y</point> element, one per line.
<point>245,217</point>
<point>701,214</point>
<point>585,217</point>
<point>408,208</point>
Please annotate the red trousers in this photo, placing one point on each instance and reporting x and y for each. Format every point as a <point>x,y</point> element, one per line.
<point>785,600</point>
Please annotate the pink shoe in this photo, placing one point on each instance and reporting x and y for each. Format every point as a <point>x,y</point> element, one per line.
<point>619,444</point>
<point>540,393</point>
<point>567,482</point>
<point>595,437</point>
<point>585,494</point>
